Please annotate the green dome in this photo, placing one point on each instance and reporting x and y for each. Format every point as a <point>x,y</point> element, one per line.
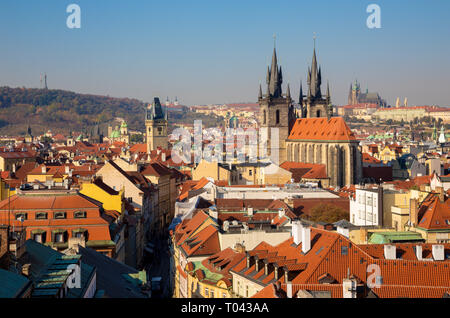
<point>124,125</point>
<point>115,134</point>
<point>234,122</point>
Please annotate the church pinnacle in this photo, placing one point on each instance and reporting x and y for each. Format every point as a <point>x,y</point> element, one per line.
<point>274,77</point>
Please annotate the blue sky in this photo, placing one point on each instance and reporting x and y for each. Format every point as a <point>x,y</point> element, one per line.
<point>218,51</point>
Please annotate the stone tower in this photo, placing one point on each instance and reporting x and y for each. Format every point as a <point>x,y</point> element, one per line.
<point>156,122</point>
<point>314,104</point>
<point>276,111</point>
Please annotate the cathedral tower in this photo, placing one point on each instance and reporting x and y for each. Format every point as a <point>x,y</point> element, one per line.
<point>156,126</point>
<point>276,111</point>
<point>314,104</point>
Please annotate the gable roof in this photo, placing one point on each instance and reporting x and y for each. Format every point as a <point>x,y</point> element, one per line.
<point>434,214</point>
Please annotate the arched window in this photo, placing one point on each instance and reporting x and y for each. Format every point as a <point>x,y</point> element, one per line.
<point>278,116</point>
<point>264,117</point>
<point>318,113</point>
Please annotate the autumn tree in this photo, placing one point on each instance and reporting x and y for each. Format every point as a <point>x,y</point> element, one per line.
<point>328,213</point>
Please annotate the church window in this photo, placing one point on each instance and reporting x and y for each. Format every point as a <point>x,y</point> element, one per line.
<point>265,117</point>
<point>278,116</point>
<point>318,113</point>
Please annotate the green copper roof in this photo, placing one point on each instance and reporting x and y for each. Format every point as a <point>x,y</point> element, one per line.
<point>394,237</point>
<point>124,125</point>
<point>12,284</point>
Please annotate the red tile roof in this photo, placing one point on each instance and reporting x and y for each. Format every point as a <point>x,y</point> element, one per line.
<point>333,129</point>
<point>332,255</point>
<point>434,214</point>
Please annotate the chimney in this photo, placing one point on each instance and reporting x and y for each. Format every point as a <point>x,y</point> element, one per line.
<point>349,288</point>
<point>419,252</point>
<point>297,231</point>
<point>306,239</point>
<point>441,193</point>
<point>76,242</point>
<point>438,252</point>
<point>289,289</point>
<point>66,169</point>
<point>363,236</point>
<point>213,213</point>
<point>163,156</point>
<point>413,212</point>
<point>250,211</point>
<point>44,169</point>
<point>26,269</point>
<point>390,252</point>
<point>281,212</point>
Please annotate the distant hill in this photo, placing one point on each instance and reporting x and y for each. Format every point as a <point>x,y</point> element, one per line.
<point>65,111</point>
<point>62,111</point>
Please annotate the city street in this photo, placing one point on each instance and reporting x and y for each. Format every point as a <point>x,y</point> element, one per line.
<point>161,266</point>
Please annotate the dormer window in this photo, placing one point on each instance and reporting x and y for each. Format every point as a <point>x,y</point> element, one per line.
<point>59,236</point>
<point>59,215</point>
<point>79,215</point>
<point>41,216</point>
<point>38,235</point>
<point>21,216</point>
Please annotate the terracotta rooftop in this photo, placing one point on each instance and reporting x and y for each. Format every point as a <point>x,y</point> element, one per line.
<point>333,129</point>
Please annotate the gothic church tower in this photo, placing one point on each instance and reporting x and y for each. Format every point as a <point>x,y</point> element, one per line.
<point>314,104</point>
<point>276,111</point>
<point>156,122</point>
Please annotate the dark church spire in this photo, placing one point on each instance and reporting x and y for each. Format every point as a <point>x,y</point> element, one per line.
<point>328,91</point>
<point>314,78</point>
<point>260,92</point>
<point>275,77</point>
<point>288,92</point>
<point>300,99</point>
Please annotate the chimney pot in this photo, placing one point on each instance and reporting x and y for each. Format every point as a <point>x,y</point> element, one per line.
<point>419,252</point>
<point>438,252</point>
<point>296,231</point>
<point>390,252</point>
<point>306,239</point>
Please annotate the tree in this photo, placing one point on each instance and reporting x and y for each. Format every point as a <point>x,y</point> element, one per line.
<point>328,213</point>
<point>137,138</point>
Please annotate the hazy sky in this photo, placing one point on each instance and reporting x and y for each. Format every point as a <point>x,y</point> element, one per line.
<point>218,51</point>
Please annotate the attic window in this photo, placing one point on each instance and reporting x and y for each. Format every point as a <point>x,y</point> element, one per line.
<point>22,216</point>
<point>41,216</point>
<point>344,250</point>
<point>59,215</point>
<point>79,215</point>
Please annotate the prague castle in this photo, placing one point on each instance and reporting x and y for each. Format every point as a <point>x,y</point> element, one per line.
<point>315,137</point>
